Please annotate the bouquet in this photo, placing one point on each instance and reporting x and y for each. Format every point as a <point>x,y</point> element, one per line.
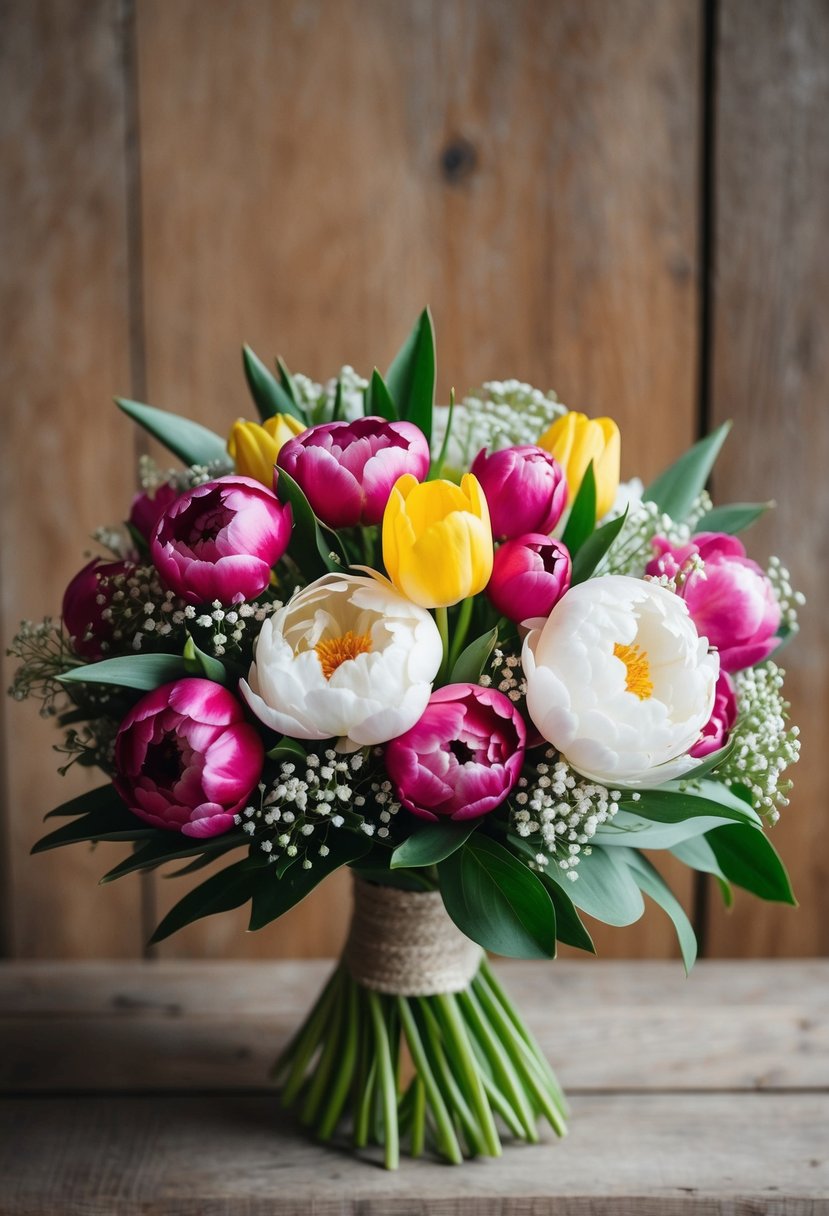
<point>447,649</point>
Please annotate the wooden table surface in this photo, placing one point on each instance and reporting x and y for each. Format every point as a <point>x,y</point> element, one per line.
<point>139,1088</point>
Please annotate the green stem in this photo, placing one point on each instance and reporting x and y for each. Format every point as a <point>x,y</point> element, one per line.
<point>321,1079</point>
<point>362,1119</point>
<point>447,1140</point>
<point>388,1087</point>
<point>345,1071</point>
<point>503,1073</point>
<point>442,620</point>
<point>456,1102</point>
<point>418,1116</point>
<point>456,1036</point>
<point>300,1051</point>
<point>461,630</point>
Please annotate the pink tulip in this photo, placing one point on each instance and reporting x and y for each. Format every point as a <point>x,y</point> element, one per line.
<point>716,731</point>
<point>731,602</point>
<point>347,469</point>
<point>529,576</point>
<point>220,540</point>
<point>85,602</point>
<point>186,759</point>
<point>147,509</point>
<point>462,758</point>
<point>525,489</point>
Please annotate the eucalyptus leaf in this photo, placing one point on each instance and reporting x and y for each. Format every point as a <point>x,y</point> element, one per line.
<point>411,376</point>
<point>605,888</point>
<point>497,901</point>
<point>145,671</point>
<point>582,519</point>
<point>676,490</point>
<point>473,659</point>
<point>595,547</point>
<point>269,396</point>
<point>274,895</point>
<point>748,858</point>
<point>653,884</point>
<point>190,441</point>
<point>378,399</point>
<point>199,664</point>
<point>733,517</point>
<point>431,843</point>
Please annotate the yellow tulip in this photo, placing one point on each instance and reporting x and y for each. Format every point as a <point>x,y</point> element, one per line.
<point>575,440</point>
<point>437,540</point>
<point>254,448</point>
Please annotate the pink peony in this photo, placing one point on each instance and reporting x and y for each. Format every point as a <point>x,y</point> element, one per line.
<point>525,489</point>
<point>347,469</point>
<point>186,759</point>
<point>85,603</point>
<point>220,540</point>
<point>731,602</point>
<point>529,576</point>
<point>462,758</point>
<point>147,509</point>
<point>717,729</point>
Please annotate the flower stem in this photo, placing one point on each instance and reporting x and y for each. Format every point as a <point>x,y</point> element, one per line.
<point>300,1051</point>
<point>388,1088</point>
<point>418,1116</point>
<point>456,1035</point>
<point>345,1071</point>
<point>446,1079</point>
<point>442,620</point>
<point>447,1140</point>
<point>461,630</point>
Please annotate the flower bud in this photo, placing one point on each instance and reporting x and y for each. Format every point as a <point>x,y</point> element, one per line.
<point>716,732</point>
<point>525,489</point>
<point>85,602</point>
<point>529,576</point>
<point>254,446</point>
<point>575,440</point>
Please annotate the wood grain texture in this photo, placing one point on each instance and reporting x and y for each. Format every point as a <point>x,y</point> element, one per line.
<point>179,1025</point>
<point>314,172</point>
<point>65,457</point>
<point>770,372</point>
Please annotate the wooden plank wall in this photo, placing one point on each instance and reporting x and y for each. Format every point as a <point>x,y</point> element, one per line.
<point>304,175</point>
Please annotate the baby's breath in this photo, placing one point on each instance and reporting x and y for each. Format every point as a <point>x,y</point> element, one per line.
<point>764,744</point>
<point>496,415</point>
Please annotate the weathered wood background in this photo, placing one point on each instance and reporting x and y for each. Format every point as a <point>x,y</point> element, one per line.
<point>627,200</point>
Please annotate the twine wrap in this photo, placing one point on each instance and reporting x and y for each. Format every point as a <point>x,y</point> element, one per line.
<point>405,944</point>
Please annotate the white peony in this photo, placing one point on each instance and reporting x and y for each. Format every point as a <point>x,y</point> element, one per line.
<point>619,681</point>
<point>347,657</point>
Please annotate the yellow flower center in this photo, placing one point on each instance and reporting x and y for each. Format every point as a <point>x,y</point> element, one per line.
<point>333,652</point>
<point>638,679</point>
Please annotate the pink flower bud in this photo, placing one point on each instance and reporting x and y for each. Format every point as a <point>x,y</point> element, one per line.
<point>147,509</point>
<point>525,489</point>
<point>462,758</point>
<point>731,601</point>
<point>85,603</point>
<point>347,469</point>
<point>220,540</point>
<point>717,729</point>
<point>529,576</point>
<point>186,759</point>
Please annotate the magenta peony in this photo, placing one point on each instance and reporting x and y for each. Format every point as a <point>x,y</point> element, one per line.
<point>716,732</point>
<point>85,603</point>
<point>525,489</point>
<point>731,601</point>
<point>147,509</point>
<point>220,540</point>
<point>347,469</point>
<point>529,576</point>
<point>186,759</point>
<point>462,758</point>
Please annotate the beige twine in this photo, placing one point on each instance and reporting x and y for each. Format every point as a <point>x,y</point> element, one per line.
<point>404,943</point>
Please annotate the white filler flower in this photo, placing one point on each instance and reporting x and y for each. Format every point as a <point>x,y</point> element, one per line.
<point>619,681</point>
<point>347,657</point>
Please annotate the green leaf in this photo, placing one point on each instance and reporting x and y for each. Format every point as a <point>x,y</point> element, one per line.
<point>569,927</point>
<point>144,671</point>
<point>748,858</point>
<point>430,844</point>
<point>675,490</point>
<point>378,399</point>
<point>473,659</point>
<point>627,829</point>
<point>190,441</point>
<point>437,466</point>
<point>268,394</point>
<point>497,901</point>
<point>604,889</point>
<point>288,750</point>
<point>595,547</point>
<point>197,663</point>
<point>173,846</point>
<point>311,542</point>
<point>651,882</point>
<point>287,382</point>
<point>107,823</point>
<point>582,518</point>
<point>273,895</point>
<point>666,805</point>
<point>221,892</point>
<point>733,517</point>
<point>710,762</point>
<point>104,798</point>
<point>411,377</point>
<point>699,855</point>
<point>337,412</point>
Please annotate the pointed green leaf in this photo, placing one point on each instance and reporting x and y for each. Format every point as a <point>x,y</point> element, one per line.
<point>288,751</point>
<point>604,889</point>
<point>472,661</point>
<point>626,829</point>
<point>748,858</point>
<point>673,805</point>
<point>311,542</point>
<point>107,823</point>
<point>287,381</point>
<point>595,547</point>
<point>698,855</point>
<point>104,798</point>
<point>221,892</point>
<point>430,844</point>
<point>569,928</point>
<point>436,470</point>
<point>378,400</point>
<point>497,901</point>
<point>130,671</point>
<point>675,490</point>
<point>653,884</point>
<point>173,846</point>
<point>274,895</point>
<point>733,517</point>
<point>268,394</point>
<point>197,663</point>
<point>190,441</point>
<point>339,406</point>
<point>411,377</point>
<point>582,518</point>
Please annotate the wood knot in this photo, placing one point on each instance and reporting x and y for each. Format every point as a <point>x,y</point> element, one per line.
<point>458,161</point>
